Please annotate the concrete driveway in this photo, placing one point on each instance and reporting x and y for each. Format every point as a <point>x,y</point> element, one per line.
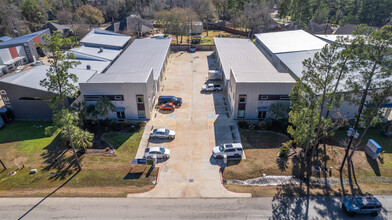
<point>191,171</point>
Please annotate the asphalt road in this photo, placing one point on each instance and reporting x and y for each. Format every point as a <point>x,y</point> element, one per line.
<point>143,208</point>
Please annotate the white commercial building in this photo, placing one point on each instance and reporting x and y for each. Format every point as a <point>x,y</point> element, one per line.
<point>252,82</point>
<point>288,49</point>
<point>132,80</point>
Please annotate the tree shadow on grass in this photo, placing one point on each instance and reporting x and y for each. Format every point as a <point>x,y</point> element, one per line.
<point>55,158</point>
<point>374,165</point>
<point>61,186</point>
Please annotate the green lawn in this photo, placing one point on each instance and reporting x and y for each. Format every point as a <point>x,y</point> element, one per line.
<point>56,164</point>
<point>372,133</point>
<point>21,131</point>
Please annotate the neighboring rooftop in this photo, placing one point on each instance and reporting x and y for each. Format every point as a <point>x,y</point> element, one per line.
<point>332,37</point>
<point>31,77</point>
<point>102,38</point>
<point>95,53</point>
<point>142,54</point>
<point>20,40</point>
<point>56,27</point>
<point>247,62</point>
<point>290,41</point>
<point>5,38</point>
<point>346,29</point>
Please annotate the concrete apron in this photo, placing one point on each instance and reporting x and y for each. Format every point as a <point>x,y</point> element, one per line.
<point>191,171</point>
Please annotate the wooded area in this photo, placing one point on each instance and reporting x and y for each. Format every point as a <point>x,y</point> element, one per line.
<point>20,17</point>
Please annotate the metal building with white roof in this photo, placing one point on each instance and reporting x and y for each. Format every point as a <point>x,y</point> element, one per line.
<point>132,80</point>
<point>252,82</point>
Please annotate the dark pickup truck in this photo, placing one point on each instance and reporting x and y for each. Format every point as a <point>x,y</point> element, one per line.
<point>172,99</point>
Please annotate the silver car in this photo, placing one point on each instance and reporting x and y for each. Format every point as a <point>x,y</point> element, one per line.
<point>163,133</point>
<point>159,152</point>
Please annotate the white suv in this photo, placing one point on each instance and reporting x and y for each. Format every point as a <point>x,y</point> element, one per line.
<point>234,149</point>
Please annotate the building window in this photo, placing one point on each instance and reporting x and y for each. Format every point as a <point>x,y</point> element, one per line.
<point>262,115</point>
<point>118,98</point>
<point>140,106</point>
<point>241,114</point>
<point>120,115</point>
<point>140,99</point>
<point>241,106</point>
<point>35,98</point>
<point>242,99</point>
<point>96,97</point>
<point>284,97</point>
<point>91,98</point>
<point>263,97</point>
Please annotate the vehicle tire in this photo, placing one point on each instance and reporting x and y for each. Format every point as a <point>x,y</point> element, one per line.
<point>149,157</point>
<point>171,138</point>
<point>219,157</point>
<point>165,157</point>
<point>374,214</point>
<point>351,214</point>
<point>236,155</point>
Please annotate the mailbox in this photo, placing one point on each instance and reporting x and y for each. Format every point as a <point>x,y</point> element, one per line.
<point>372,149</point>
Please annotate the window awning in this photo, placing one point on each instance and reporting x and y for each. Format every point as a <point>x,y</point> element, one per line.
<point>263,108</point>
<point>119,109</point>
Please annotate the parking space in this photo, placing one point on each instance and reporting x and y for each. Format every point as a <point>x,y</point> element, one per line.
<point>200,123</point>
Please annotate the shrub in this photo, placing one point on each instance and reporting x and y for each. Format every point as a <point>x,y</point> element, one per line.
<point>263,125</point>
<point>284,150</point>
<point>242,124</point>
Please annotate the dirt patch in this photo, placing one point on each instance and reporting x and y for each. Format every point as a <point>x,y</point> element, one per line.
<point>78,191</point>
<point>261,149</point>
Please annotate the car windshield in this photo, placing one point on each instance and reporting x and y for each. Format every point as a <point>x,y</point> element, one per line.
<point>221,148</point>
<point>161,149</point>
<point>167,131</point>
<point>154,131</point>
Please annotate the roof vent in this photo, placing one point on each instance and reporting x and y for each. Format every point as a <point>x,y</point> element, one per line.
<point>88,67</point>
<point>101,49</point>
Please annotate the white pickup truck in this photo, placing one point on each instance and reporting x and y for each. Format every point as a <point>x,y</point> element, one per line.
<point>211,88</point>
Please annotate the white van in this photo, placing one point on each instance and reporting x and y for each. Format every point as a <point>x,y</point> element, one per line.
<point>231,150</point>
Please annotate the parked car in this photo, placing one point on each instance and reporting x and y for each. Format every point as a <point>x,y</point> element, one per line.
<point>172,99</point>
<point>162,133</point>
<point>38,63</point>
<point>234,149</point>
<point>361,205</point>
<point>167,107</point>
<point>159,152</point>
<point>211,88</point>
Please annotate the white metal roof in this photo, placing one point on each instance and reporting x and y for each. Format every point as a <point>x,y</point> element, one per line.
<point>294,60</point>
<point>95,53</point>
<point>290,41</point>
<point>330,38</point>
<point>247,62</point>
<point>105,38</point>
<point>99,66</point>
<point>130,76</point>
<point>31,78</point>
<point>142,54</point>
